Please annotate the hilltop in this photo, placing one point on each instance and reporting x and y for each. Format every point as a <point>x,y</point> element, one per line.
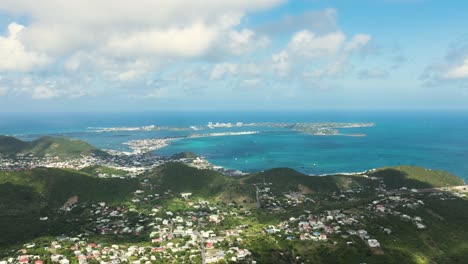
<point>26,195</point>
<point>97,170</point>
<point>180,177</point>
<point>55,186</point>
<point>415,177</point>
<point>48,146</point>
<point>285,179</point>
<point>184,155</point>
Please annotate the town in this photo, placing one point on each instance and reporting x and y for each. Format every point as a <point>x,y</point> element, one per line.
<point>159,225</point>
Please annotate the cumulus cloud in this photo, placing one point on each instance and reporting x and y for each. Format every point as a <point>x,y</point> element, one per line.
<point>451,70</point>
<point>222,70</point>
<point>318,56</point>
<point>117,47</point>
<point>14,56</point>
<point>115,41</point>
<point>459,71</point>
<point>281,64</point>
<point>174,26</point>
<point>333,69</point>
<point>41,88</point>
<point>44,92</point>
<point>358,42</point>
<point>191,41</point>
<point>250,82</point>
<point>245,41</point>
<point>307,44</point>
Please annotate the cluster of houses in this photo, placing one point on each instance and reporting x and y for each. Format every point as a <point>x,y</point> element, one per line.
<point>30,161</point>
<point>134,164</point>
<point>202,230</point>
<point>186,236</point>
<point>341,224</point>
<point>320,227</point>
<point>167,234</point>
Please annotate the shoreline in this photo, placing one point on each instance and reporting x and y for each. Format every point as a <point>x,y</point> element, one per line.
<point>140,146</point>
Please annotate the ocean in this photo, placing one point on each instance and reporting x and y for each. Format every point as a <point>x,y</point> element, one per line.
<point>436,140</point>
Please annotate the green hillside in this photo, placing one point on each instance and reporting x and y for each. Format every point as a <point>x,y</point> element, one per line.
<point>95,170</point>
<point>416,177</point>
<point>11,145</point>
<point>48,146</point>
<point>184,155</point>
<point>284,179</point>
<point>27,195</point>
<point>55,186</point>
<point>179,177</point>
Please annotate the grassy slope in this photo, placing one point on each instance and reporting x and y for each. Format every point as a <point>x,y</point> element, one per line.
<point>95,170</point>
<point>444,241</point>
<point>11,145</point>
<point>48,146</point>
<point>416,177</point>
<point>55,186</point>
<point>179,177</point>
<point>285,179</point>
<point>27,195</point>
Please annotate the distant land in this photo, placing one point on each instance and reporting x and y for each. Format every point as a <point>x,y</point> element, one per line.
<point>66,198</point>
<point>60,147</point>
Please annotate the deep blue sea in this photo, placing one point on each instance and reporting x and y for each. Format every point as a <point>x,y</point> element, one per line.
<point>428,139</point>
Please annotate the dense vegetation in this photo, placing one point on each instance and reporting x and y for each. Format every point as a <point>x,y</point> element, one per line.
<point>285,179</point>
<point>416,177</point>
<point>179,177</point>
<point>48,146</point>
<point>97,170</point>
<point>26,195</point>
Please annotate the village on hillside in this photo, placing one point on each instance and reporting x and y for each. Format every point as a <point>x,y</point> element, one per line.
<point>161,226</point>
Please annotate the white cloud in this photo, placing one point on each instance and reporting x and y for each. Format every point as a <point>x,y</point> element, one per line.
<point>318,56</point>
<point>191,41</point>
<point>122,48</point>
<point>152,26</point>
<point>281,64</point>
<point>333,69</point>
<point>37,87</point>
<point>458,72</point>
<point>44,92</point>
<point>14,56</point>
<point>308,45</point>
<point>246,41</point>
<point>118,43</point>
<point>451,70</point>
<point>112,69</point>
<point>222,70</point>
<point>358,42</point>
<point>250,82</point>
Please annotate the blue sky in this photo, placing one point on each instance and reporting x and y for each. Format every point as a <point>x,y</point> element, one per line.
<point>233,55</point>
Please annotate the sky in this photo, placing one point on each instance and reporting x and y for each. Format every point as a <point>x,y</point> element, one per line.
<point>233,55</point>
